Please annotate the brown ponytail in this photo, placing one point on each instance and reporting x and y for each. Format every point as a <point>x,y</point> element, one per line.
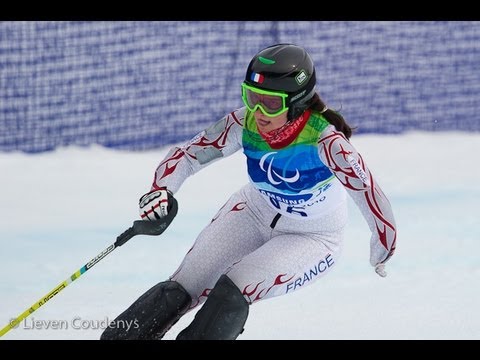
<point>332,116</point>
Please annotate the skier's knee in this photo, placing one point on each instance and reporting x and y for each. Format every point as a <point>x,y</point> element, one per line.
<point>223,315</point>
<point>152,315</point>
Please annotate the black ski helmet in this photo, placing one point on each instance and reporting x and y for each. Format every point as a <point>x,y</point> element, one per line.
<point>288,68</point>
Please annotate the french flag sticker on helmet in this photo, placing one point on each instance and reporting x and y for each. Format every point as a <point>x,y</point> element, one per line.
<point>258,78</point>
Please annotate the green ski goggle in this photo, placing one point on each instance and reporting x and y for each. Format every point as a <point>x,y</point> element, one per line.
<point>270,103</point>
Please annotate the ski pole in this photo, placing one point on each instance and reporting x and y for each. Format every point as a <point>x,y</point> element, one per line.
<point>139,227</point>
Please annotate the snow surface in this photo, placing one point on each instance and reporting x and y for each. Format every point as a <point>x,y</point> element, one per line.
<point>60,209</point>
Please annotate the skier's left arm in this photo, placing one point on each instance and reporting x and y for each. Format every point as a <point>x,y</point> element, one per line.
<point>352,171</point>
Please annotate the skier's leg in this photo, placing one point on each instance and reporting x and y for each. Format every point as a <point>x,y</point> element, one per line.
<point>295,257</point>
<point>232,234</point>
<point>150,317</point>
<point>221,317</point>
<point>299,253</point>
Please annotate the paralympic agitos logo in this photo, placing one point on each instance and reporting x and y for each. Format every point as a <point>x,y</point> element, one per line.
<point>272,176</point>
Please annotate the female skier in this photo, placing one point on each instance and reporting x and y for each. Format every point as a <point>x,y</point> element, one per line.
<point>280,232</point>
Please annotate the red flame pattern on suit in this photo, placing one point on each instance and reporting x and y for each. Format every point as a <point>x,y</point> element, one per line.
<point>343,174</point>
<point>264,291</point>
<point>336,149</point>
<point>237,207</point>
<point>218,143</point>
<point>168,166</point>
<point>204,294</point>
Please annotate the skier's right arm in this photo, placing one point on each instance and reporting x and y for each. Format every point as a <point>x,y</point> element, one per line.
<point>219,140</point>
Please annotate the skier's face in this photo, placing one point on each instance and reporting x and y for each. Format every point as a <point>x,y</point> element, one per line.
<point>268,123</point>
